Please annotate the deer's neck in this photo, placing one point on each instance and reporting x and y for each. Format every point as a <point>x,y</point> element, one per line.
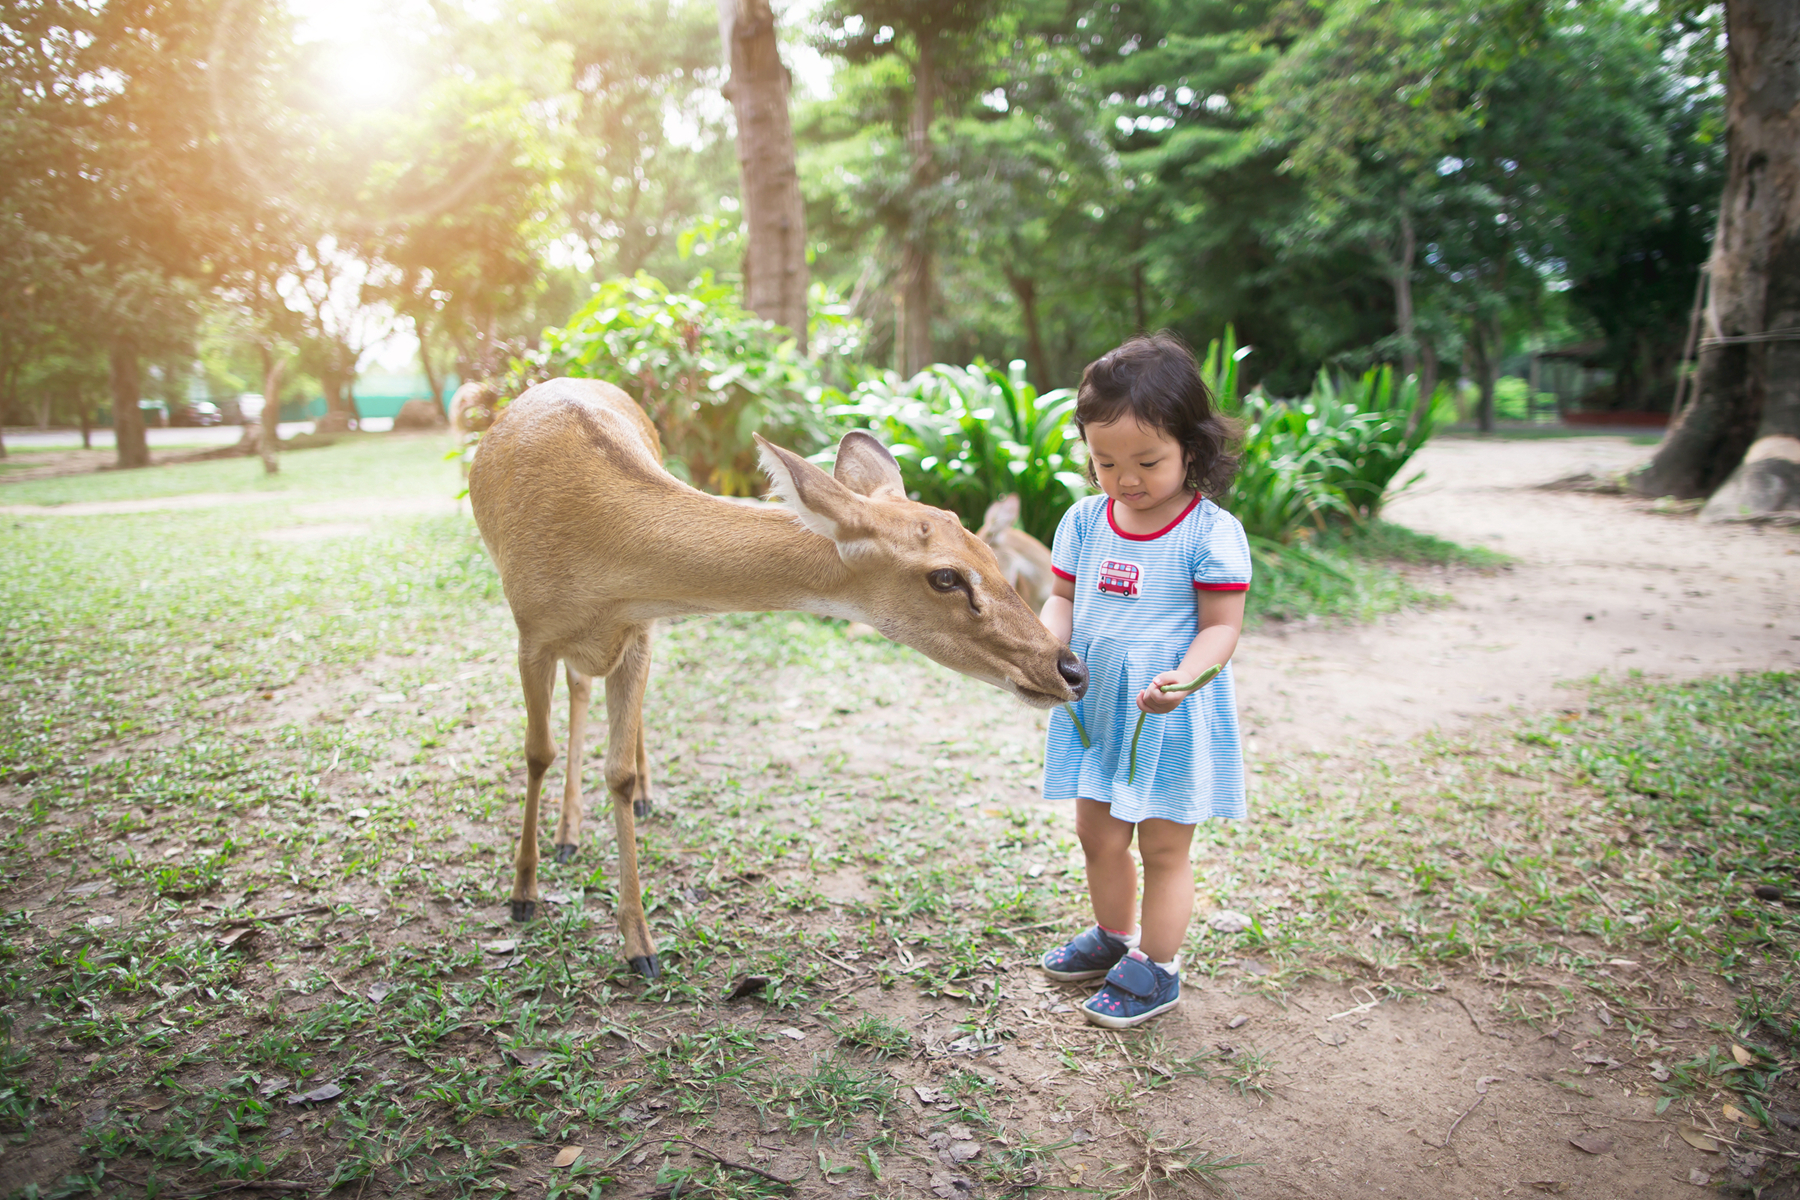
<point>744,558</point>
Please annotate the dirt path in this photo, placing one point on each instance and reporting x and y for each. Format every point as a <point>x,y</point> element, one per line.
<point>1600,584</point>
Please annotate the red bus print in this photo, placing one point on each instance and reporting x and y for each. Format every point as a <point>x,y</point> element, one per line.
<point>1119,578</point>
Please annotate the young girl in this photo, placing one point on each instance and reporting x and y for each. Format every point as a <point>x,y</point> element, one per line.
<point>1150,583</point>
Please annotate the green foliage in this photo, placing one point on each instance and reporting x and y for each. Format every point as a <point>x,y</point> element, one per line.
<point>965,436</point>
<point>1331,455</point>
<point>709,373</point>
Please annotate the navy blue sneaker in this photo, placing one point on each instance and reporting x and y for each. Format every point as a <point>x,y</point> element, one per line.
<point>1091,955</point>
<point>1136,990</point>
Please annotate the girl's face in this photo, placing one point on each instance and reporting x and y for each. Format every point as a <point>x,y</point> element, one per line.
<point>1140,467</point>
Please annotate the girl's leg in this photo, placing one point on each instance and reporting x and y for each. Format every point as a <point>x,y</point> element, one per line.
<point>1168,885</point>
<point>1111,873</point>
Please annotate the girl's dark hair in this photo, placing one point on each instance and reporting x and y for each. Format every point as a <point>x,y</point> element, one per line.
<point>1155,380</point>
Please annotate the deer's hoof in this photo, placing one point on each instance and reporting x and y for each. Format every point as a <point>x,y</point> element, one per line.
<point>647,966</point>
<point>565,851</point>
<point>523,910</point>
<point>640,808</point>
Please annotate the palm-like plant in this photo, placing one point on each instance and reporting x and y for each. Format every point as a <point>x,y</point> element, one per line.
<point>965,436</point>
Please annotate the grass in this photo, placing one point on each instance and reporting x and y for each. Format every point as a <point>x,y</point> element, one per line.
<point>1356,573</point>
<point>204,731</point>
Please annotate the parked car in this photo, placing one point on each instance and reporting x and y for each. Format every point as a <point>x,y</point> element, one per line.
<point>198,412</point>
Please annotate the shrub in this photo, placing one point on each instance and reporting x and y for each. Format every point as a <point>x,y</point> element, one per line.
<point>1332,455</point>
<point>965,436</point>
<point>708,372</point>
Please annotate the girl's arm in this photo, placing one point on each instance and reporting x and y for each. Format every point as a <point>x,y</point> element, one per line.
<point>1221,620</point>
<point>1059,610</point>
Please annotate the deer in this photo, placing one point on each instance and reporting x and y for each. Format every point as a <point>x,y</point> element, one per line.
<point>595,542</point>
<point>1023,559</point>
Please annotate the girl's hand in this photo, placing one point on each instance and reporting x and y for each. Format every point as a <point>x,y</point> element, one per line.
<point>1154,700</point>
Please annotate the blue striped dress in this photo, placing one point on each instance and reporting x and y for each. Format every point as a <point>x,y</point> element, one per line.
<point>1135,617</point>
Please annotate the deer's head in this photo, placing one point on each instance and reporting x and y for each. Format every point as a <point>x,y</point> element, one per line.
<point>919,577</point>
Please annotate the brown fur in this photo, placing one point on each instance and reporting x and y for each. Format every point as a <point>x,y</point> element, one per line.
<point>594,541</point>
<point>1024,560</point>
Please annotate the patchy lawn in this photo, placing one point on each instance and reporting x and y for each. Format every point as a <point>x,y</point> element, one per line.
<point>259,774</point>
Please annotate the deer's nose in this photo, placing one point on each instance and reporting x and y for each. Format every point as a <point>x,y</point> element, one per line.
<point>1074,673</point>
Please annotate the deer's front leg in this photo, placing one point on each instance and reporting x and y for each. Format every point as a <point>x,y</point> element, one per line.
<point>537,677</point>
<point>640,797</point>
<point>624,719</point>
<point>568,828</point>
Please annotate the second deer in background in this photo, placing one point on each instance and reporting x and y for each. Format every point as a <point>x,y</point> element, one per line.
<point>1024,559</point>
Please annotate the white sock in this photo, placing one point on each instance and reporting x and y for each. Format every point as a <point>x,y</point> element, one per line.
<point>1130,939</point>
<point>1173,966</point>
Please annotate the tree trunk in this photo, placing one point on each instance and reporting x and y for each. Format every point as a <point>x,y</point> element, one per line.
<point>87,423</point>
<point>1485,353</point>
<point>1025,288</point>
<point>268,441</point>
<point>1428,377</point>
<point>1739,438</point>
<point>915,255</point>
<point>128,419</point>
<point>775,273</point>
<point>1403,297</point>
<point>432,379</point>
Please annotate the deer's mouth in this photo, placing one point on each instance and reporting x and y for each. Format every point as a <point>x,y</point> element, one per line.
<point>1038,699</point>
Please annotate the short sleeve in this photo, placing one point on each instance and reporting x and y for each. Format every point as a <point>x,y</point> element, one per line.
<point>1222,557</point>
<point>1065,548</point>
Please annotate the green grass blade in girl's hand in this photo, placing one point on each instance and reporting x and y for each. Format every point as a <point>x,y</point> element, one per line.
<point>1201,680</point>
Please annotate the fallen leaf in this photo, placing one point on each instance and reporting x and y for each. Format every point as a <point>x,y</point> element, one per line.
<point>946,1186</point>
<point>278,1084</point>
<point>1081,1135</point>
<point>1333,1038</point>
<point>501,946</point>
<point>232,937</point>
<point>749,985</point>
<point>90,889</point>
<point>1549,1185</point>
<point>1605,1015</point>
<point>1743,1056</point>
<point>1734,1113</point>
<point>378,992</point>
<point>1659,1072</point>
<point>958,1133</point>
<point>1698,1138</point>
<point>318,1095</point>
<point>154,1104</point>
<point>568,1154</point>
<point>1481,1085</point>
<point>1748,1163</point>
<point>1592,1143</point>
<point>1251,967</point>
<point>1228,921</point>
<point>1600,1060</point>
<point>1699,1178</point>
<point>1237,1022</point>
<point>793,1033</point>
<point>927,1095</point>
<point>527,1056</point>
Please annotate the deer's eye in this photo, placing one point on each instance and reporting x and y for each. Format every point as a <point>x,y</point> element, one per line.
<point>945,580</point>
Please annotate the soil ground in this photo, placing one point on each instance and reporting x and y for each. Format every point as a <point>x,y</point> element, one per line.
<point>1330,1087</point>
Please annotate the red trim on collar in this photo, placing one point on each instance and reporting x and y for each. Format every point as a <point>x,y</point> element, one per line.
<point>1060,573</point>
<point>1150,537</point>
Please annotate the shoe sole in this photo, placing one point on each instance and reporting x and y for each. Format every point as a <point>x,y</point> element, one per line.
<point>1074,976</point>
<point>1127,1022</point>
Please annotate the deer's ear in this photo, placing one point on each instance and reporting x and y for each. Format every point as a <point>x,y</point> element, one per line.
<point>865,466</point>
<point>821,503</point>
<point>1002,514</point>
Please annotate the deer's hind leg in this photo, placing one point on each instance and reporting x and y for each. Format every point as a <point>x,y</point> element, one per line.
<point>624,720</point>
<point>568,828</point>
<point>537,678</point>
